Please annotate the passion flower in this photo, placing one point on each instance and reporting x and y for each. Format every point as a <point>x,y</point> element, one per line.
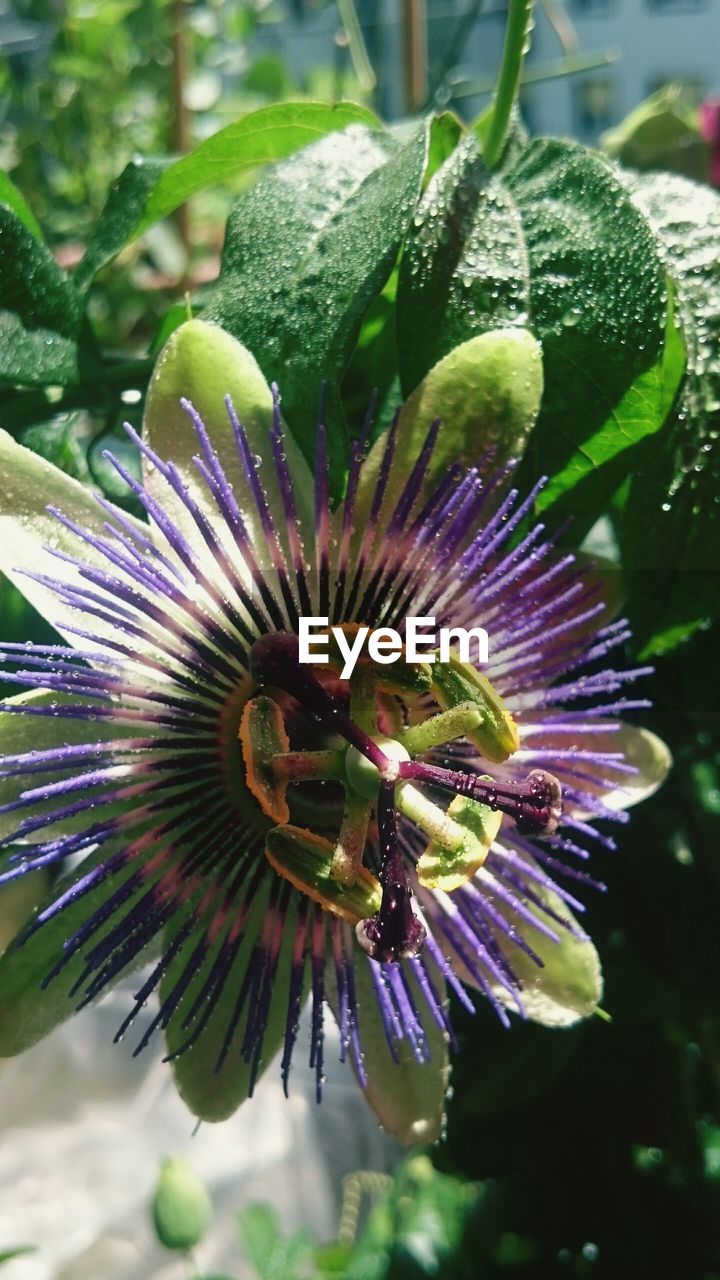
<point>255,831</point>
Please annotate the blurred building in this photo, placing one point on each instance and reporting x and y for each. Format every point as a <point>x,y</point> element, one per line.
<point>654,41</point>
<point>659,41</point>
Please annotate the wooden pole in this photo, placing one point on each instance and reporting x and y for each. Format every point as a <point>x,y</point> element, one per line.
<point>414,20</point>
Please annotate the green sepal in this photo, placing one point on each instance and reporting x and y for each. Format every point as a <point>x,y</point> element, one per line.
<point>567,985</point>
<point>204,364</point>
<point>306,860</point>
<point>18,900</point>
<point>407,1096</point>
<point>24,732</point>
<point>29,1010</point>
<point>448,869</point>
<point>496,736</point>
<point>181,1206</point>
<point>487,394</point>
<point>212,1088</point>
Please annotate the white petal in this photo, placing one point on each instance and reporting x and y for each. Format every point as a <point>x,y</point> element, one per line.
<point>640,749</point>
<point>28,484</point>
<point>569,985</point>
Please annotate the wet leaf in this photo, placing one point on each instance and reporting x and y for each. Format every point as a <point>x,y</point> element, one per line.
<point>670,529</point>
<point>601,462</point>
<point>118,222</point>
<point>307,250</point>
<point>149,190</point>
<point>597,303</point>
<point>464,269</point>
<point>41,316</point>
<point>10,196</point>
<point>262,136</point>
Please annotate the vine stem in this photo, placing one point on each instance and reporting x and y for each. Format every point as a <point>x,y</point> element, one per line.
<point>516,44</point>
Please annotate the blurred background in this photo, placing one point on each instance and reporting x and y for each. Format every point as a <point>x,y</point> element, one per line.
<point>593,1152</point>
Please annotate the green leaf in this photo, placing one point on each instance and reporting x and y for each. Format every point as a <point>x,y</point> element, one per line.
<point>181,1208</point>
<point>597,300</point>
<point>445,133</point>
<point>308,248</point>
<point>464,270</point>
<point>418,1228</point>
<point>670,527</point>
<point>601,462</point>
<point>272,1255</point>
<point>149,190</point>
<point>271,133</point>
<point>10,196</point>
<point>40,312</point>
<point>118,222</point>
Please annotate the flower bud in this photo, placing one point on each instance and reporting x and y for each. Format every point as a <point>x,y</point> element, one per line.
<point>181,1207</point>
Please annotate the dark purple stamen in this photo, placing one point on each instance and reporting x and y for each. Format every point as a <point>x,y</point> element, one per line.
<point>274,660</point>
<point>535,804</point>
<point>394,933</point>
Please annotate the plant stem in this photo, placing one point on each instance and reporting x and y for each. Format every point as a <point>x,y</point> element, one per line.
<point>356,44</point>
<point>180,121</point>
<point>557,70</point>
<point>516,44</point>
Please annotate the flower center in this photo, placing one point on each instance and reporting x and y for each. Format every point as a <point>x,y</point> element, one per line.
<point>306,725</point>
<point>364,776</point>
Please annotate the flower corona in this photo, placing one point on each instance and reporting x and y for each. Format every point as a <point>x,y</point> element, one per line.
<point>259,774</point>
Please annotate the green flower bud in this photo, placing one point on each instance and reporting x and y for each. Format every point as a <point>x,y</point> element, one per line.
<point>181,1207</point>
